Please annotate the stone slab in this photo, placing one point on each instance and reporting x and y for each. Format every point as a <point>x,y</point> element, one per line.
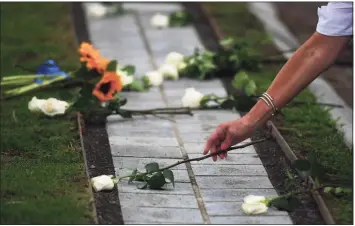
<point>149,215</point>
<point>235,209</point>
<point>132,163</point>
<point>180,189</point>
<point>138,123</point>
<point>197,127</point>
<point>164,133</point>
<point>229,170</point>
<point>232,159</point>
<point>278,220</point>
<point>146,152</point>
<point>184,83</point>
<point>152,7</point>
<point>233,194</point>
<point>179,175</point>
<point>143,141</point>
<point>223,182</point>
<point>197,148</point>
<point>157,200</point>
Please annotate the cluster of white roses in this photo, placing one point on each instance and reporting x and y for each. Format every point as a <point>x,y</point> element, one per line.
<point>173,64</point>
<point>50,107</point>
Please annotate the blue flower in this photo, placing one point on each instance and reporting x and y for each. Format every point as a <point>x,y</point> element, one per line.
<point>50,67</point>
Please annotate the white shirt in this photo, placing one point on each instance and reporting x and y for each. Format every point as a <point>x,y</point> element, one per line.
<point>336,19</point>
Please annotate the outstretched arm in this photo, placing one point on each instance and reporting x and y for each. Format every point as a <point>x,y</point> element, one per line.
<point>317,54</point>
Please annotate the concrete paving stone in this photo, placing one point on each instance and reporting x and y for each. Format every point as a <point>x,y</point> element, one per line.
<point>138,123</point>
<point>180,189</point>
<point>197,128</point>
<point>233,182</point>
<point>232,159</point>
<point>278,220</point>
<point>146,152</point>
<point>149,215</point>
<point>235,209</point>
<point>143,105</point>
<point>184,83</point>
<point>115,26</point>
<point>157,200</point>
<point>181,176</point>
<point>234,194</point>
<point>197,148</point>
<point>143,141</point>
<point>152,7</point>
<point>194,137</point>
<point>132,163</point>
<point>134,96</point>
<point>229,170</point>
<point>163,133</point>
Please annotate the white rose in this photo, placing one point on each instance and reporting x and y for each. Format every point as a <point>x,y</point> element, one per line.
<point>34,104</point>
<point>96,9</point>
<point>125,78</point>
<point>169,71</point>
<point>174,58</point>
<point>103,182</point>
<point>192,98</point>
<point>155,78</point>
<point>53,106</point>
<point>160,21</point>
<point>254,204</point>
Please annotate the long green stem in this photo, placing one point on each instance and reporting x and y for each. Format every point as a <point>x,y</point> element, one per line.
<point>203,157</point>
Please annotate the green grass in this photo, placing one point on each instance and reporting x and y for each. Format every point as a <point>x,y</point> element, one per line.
<point>317,131</point>
<point>43,178</point>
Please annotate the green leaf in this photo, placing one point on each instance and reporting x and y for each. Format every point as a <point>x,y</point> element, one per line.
<point>316,168</point>
<point>157,181</point>
<point>205,100</point>
<point>289,174</point>
<point>136,85</point>
<point>240,80</point>
<point>250,88</point>
<point>168,174</point>
<point>338,191</point>
<point>146,82</point>
<point>142,186</point>
<point>287,204</point>
<point>130,69</point>
<point>152,167</point>
<point>111,67</point>
<point>302,165</point>
<point>328,189</point>
<point>134,173</point>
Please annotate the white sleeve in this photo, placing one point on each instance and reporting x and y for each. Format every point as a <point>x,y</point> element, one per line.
<point>336,19</point>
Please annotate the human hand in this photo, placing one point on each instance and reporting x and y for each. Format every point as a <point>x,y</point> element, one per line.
<point>228,134</point>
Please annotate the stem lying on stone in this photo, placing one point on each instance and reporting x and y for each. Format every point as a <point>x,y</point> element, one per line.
<point>203,157</point>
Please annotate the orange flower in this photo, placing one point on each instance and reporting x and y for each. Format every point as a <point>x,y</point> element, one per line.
<point>109,84</point>
<point>92,57</point>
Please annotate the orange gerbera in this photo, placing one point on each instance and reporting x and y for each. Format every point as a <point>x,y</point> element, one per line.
<point>108,86</point>
<point>92,57</point>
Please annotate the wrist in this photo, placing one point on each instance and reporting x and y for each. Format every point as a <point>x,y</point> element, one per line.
<point>258,115</point>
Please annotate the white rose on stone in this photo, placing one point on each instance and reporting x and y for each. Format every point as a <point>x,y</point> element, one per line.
<point>34,104</point>
<point>125,78</point>
<point>192,98</point>
<point>160,21</point>
<point>96,9</point>
<point>169,71</point>
<point>254,205</point>
<point>155,78</point>
<point>174,58</point>
<point>103,182</point>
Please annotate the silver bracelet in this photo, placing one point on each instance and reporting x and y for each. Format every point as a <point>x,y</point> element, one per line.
<point>268,100</point>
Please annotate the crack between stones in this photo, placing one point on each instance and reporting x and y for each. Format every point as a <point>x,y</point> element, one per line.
<point>190,172</point>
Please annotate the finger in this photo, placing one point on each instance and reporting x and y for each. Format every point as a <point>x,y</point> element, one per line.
<point>213,139</point>
<point>213,150</point>
<point>227,142</point>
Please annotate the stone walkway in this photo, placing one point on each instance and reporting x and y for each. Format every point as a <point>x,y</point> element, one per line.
<point>205,192</point>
